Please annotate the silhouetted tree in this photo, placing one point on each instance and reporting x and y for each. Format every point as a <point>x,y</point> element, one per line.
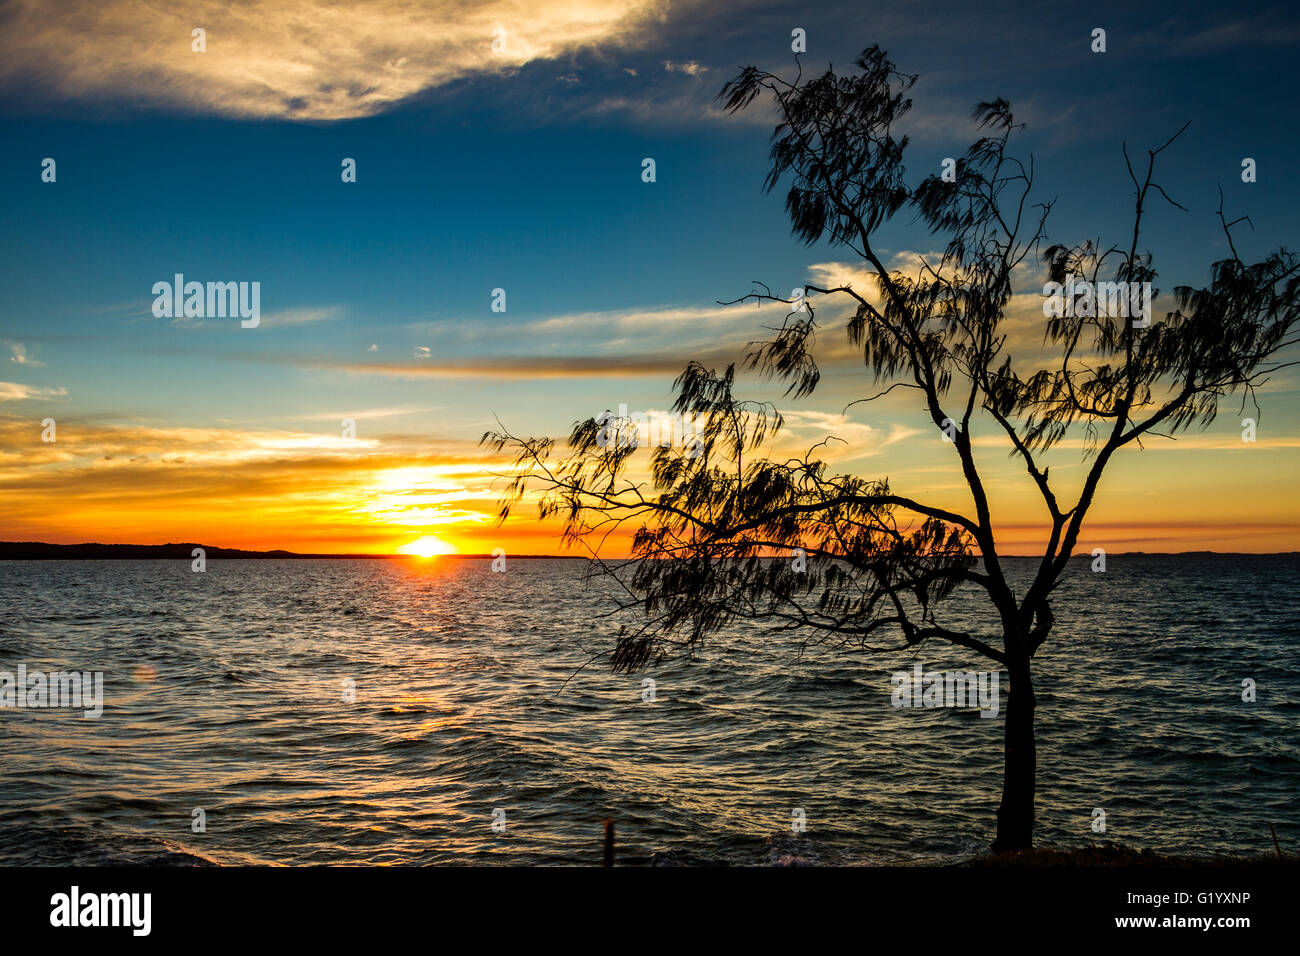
<point>880,563</point>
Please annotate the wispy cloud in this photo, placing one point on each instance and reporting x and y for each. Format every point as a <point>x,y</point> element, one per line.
<point>531,366</point>
<point>301,315</point>
<point>672,319</point>
<point>14,392</point>
<point>689,67</point>
<point>18,355</point>
<point>845,439</point>
<point>1227,30</point>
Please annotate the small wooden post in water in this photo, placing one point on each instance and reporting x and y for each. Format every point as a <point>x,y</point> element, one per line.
<point>609,841</point>
<point>1276,845</point>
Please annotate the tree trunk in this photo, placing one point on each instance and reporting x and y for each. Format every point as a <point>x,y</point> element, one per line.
<point>1016,814</point>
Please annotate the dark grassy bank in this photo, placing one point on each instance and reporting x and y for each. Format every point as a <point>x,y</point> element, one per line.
<point>1112,854</point>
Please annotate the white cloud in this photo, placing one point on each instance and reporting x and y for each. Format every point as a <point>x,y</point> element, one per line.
<point>18,355</point>
<point>689,67</point>
<point>667,317</point>
<point>295,316</point>
<point>301,316</point>
<point>304,59</point>
<point>14,392</point>
<point>849,439</point>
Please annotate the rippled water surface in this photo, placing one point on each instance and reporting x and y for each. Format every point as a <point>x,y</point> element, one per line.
<point>224,691</point>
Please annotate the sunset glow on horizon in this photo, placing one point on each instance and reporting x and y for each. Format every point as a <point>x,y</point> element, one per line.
<point>290,489</point>
<point>427,547</point>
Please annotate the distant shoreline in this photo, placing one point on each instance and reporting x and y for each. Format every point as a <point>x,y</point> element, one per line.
<point>40,551</point>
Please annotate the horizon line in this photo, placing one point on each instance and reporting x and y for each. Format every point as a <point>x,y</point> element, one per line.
<point>8,547</point>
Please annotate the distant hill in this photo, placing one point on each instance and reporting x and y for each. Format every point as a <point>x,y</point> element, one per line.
<point>39,551</point>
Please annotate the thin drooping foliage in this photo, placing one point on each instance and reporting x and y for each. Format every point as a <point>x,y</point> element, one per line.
<point>875,564</point>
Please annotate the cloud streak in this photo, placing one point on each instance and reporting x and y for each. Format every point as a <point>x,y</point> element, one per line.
<point>14,392</point>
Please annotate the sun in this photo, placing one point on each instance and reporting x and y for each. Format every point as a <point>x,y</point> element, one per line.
<point>426,547</point>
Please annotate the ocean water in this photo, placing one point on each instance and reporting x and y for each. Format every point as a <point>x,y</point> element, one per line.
<point>224,692</point>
